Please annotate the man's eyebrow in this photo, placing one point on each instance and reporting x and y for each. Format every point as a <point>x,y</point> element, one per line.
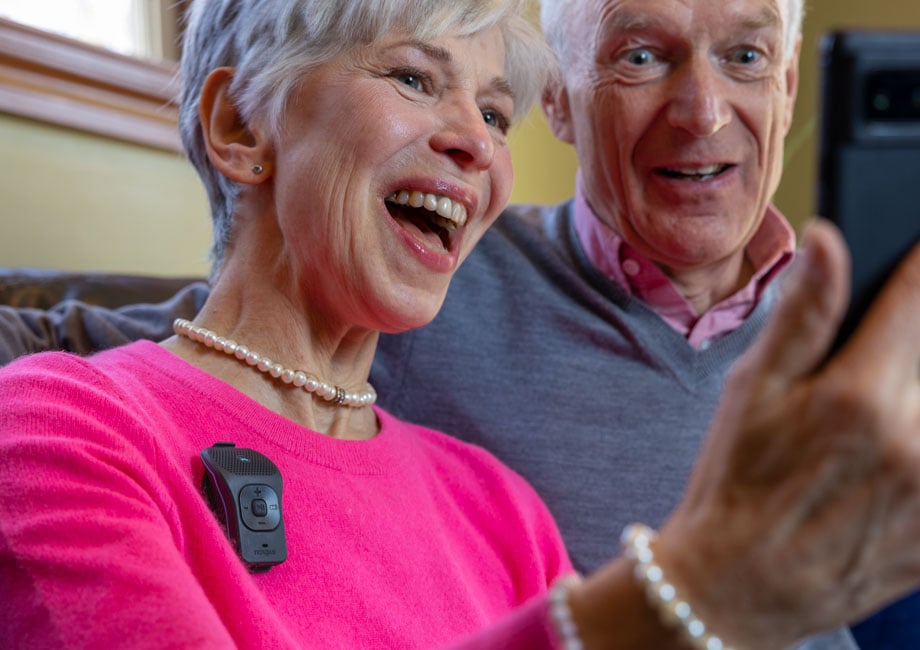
<point>497,84</point>
<point>627,21</point>
<point>767,17</point>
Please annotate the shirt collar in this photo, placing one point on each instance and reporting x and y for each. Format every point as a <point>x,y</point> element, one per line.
<point>769,251</point>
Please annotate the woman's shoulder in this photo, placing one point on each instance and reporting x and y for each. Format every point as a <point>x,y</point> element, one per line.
<point>103,398</point>
<point>491,493</point>
<point>55,374</point>
<point>469,466</point>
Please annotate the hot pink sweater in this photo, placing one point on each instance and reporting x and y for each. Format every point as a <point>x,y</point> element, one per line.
<point>409,540</point>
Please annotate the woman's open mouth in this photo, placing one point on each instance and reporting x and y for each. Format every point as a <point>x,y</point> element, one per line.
<point>432,216</point>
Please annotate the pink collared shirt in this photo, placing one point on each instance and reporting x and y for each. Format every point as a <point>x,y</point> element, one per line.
<point>769,251</point>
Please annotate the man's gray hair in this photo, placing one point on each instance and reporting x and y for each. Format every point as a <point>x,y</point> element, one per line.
<point>272,44</point>
<point>554,19</point>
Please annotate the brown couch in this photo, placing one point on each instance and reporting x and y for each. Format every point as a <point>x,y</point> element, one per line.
<point>42,309</point>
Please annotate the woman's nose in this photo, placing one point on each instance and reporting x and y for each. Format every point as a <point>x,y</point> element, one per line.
<point>465,137</point>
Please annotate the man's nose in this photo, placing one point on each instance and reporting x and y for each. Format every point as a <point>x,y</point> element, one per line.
<point>464,136</point>
<point>699,104</point>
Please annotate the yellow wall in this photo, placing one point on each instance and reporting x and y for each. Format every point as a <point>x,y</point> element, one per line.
<point>77,202</point>
<point>544,168</point>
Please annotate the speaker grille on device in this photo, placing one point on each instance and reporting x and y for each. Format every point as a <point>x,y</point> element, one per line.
<point>245,462</point>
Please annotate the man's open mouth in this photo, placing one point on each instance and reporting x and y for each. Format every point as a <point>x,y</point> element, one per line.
<point>704,173</point>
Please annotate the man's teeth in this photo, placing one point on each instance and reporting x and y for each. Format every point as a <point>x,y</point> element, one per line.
<point>452,215</point>
<point>700,171</point>
<point>696,173</point>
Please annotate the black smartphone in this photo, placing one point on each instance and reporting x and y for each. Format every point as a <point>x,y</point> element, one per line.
<point>869,153</point>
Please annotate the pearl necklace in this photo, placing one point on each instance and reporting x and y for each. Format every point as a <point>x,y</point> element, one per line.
<point>297,378</point>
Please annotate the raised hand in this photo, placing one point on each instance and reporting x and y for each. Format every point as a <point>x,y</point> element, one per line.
<point>803,512</point>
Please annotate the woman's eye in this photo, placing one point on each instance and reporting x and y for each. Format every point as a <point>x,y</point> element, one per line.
<point>640,57</point>
<point>411,79</point>
<point>497,119</point>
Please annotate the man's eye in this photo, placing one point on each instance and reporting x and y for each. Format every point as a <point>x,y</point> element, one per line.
<point>640,57</point>
<point>745,56</point>
<point>497,119</point>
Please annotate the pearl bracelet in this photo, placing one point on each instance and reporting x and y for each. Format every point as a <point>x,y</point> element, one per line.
<point>662,596</point>
<point>561,615</point>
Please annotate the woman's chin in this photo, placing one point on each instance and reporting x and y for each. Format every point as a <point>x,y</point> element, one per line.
<point>411,315</point>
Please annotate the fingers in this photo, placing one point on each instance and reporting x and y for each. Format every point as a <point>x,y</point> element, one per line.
<point>809,464</point>
<point>749,436</point>
<point>888,337</point>
<point>799,333</point>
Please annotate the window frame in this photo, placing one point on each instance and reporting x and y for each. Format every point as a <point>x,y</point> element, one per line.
<point>61,81</point>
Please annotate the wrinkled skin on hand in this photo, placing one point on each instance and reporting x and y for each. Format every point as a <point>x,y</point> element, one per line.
<point>803,512</point>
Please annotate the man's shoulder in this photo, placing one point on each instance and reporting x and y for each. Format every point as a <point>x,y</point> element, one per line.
<point>547,222</point>
<point>523,237</point>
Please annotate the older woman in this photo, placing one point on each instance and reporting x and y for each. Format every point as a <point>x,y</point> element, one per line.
<point>353,153</point>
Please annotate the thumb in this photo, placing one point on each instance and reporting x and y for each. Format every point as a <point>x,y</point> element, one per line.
<point>792,345</point>
<point>888,336</point>
<point>800,331</point>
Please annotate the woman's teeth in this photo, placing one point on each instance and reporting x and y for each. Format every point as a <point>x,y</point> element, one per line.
<point>452,215</point>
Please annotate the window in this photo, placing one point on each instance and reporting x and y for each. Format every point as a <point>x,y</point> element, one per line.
<point>141,28</point>
<point>116,79</point>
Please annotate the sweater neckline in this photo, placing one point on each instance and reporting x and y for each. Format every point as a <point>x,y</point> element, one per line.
<point>378,455</point>
<point>663,345</point>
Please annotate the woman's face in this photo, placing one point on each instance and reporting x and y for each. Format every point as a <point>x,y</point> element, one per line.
<point>392,162</point>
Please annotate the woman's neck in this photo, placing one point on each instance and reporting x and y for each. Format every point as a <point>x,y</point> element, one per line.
<point>257,314</point>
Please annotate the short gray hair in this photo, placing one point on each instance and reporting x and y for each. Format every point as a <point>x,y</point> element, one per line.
<point>554,15</point>
<point>272,44</point>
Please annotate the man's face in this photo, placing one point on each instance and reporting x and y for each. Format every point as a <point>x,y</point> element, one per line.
<point>678,110</point>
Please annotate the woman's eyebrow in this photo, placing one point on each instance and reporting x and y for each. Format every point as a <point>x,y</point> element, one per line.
<point>432,51</point>
<point>497,84</point>
<point>501,86</point>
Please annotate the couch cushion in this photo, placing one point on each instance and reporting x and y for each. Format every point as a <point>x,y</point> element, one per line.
<point>83,313</point>
<point>44,288</point>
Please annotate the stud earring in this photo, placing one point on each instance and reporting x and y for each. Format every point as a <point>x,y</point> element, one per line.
<point>257,169</point>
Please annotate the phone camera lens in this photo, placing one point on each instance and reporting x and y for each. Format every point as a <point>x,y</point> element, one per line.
<point>893,96</point>
<point>881,102</point>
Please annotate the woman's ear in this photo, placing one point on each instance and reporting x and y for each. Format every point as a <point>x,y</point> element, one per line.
<point>238,150</point>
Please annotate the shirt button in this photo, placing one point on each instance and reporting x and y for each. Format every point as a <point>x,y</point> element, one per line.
<point>631,267</point>
<point>705,344</point>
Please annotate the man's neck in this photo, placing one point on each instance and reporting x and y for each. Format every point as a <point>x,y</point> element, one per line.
<point>706,287</point>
